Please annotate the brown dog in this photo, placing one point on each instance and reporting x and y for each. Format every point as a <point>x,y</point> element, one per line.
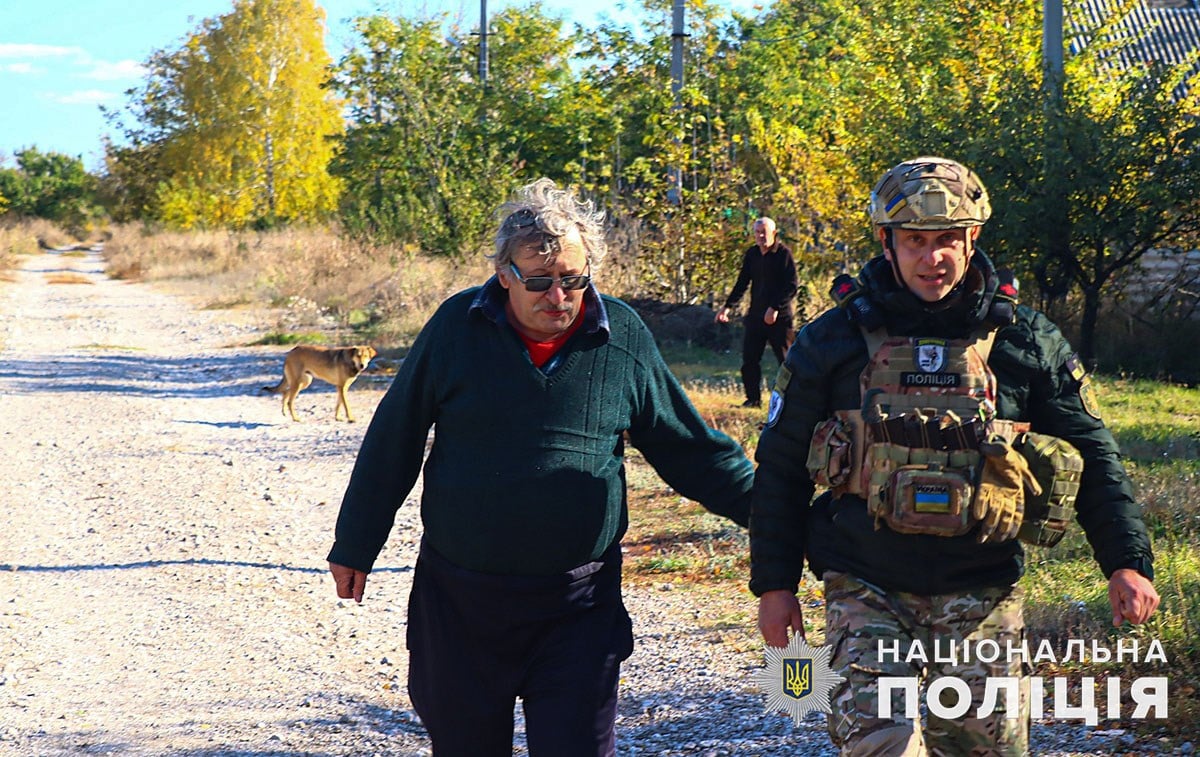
<point>337,365</point>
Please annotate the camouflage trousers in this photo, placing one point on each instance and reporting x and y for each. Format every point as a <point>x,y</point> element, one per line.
<point>860,617</point>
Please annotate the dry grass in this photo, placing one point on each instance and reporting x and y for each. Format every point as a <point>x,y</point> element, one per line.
<point>319,280</point>
<point>19,238</point>
<point>25,237</point>
<point>68,277</point>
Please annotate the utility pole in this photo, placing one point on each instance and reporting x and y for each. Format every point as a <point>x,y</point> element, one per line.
<point>483,62</point>
<point>1052,46</point>
<point>1056,242</point>
<point>483,45</point>
<point>675,174</point>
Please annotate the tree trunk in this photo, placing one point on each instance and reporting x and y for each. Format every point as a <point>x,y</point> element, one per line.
<point>269,149</point>
<point>1087,326</point>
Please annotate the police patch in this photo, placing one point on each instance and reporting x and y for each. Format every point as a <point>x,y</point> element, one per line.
<point>774,407</point>
<point>929,354</point>
<point>913,378</point>
<point>1087,395</point>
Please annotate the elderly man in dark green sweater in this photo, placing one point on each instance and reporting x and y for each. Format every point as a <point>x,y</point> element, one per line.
<point>532,383</point>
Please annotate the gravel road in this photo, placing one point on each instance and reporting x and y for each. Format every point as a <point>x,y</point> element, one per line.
<point>163,588</point>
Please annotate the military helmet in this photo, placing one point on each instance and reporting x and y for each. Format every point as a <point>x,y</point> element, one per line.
<point>929,193</point>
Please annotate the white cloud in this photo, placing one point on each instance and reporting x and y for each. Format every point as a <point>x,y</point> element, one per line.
<point>20,68</point>
<point>124,69</point>
<point>86,97</point>
<point>21,50</point>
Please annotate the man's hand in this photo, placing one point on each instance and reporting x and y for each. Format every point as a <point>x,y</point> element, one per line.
<point>350,582</point>
<point>722,316</point>
<point>770,316</point>
<point>1132,597</point>
<point>777,611</point>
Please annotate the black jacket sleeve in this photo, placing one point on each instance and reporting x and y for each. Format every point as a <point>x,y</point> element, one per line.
<point>742,284</point>
<point>1053,404</point>
<point>789,283</point>
<point>783,488</point>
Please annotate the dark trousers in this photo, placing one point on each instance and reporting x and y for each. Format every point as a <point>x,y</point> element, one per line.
<point>758,335</point>
<point>477,642</point>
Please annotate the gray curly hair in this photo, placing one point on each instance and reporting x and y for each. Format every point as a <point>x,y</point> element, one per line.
<point>542,210</point>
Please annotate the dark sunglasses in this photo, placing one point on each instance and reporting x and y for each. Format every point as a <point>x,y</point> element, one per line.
<point>526,218</point>
<point>543,283</point>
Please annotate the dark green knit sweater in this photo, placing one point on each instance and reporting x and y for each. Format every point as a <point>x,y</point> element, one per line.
<point>525,475</point>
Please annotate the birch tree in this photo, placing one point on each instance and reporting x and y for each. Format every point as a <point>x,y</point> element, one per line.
<point>236,125</point>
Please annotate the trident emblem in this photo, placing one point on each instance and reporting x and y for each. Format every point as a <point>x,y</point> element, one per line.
<point>797,679</point>
<point>797,675</point>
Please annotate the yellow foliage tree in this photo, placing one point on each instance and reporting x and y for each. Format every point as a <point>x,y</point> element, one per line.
<point>847,88</point>
<point>242,126</point>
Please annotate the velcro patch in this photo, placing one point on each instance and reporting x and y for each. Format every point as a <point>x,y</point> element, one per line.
<point>783,378</point>
<point>912,378</point>
<point>775,405</point>
<point>1075,366</point>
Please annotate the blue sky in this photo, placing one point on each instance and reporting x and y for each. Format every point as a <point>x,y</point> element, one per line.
<point>61,59</point>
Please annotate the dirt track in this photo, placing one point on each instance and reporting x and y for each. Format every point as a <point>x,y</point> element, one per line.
<point>162,579</point>
<point>163,586</point>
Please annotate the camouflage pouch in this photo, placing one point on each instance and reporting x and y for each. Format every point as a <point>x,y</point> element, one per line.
<point>1058,467</point>
<point>829,460</point>
<point>915,491</point>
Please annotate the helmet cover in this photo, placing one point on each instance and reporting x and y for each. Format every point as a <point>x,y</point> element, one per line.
<point>929,193</point>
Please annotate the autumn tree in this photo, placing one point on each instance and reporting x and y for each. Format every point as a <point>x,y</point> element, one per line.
<point>835,91</point>
<point>235,126</point>
<point>49,185</point>
<point>664,157</point>
<point>431,150</point>
<point>1116,173</point>
<point>413,159</point>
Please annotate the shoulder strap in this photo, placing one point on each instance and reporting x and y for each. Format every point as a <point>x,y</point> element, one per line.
<point>847,294</point>
<point>874,339</point>
<point>985,338</point>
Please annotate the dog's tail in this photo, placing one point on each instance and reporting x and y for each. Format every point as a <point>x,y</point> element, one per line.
<point>277,388</point>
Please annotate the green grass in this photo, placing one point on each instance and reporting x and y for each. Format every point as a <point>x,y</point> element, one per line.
<point>1152,420</point>
<point>701,368</point>
<point>281,338</point>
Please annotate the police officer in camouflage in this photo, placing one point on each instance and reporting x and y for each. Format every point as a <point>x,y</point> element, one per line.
<point>948,424</point>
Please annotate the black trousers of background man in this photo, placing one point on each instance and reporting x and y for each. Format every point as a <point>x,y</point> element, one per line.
<point>477,642</point>
<point>758,335</point>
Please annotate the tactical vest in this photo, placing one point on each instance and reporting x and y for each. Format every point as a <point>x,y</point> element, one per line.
<point>912,446</point>
<point>911,449</point>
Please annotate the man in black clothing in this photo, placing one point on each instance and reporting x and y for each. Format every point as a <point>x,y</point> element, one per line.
<point>769,270</point>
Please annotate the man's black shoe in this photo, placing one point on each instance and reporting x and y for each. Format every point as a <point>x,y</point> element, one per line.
<point>752,403</point>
